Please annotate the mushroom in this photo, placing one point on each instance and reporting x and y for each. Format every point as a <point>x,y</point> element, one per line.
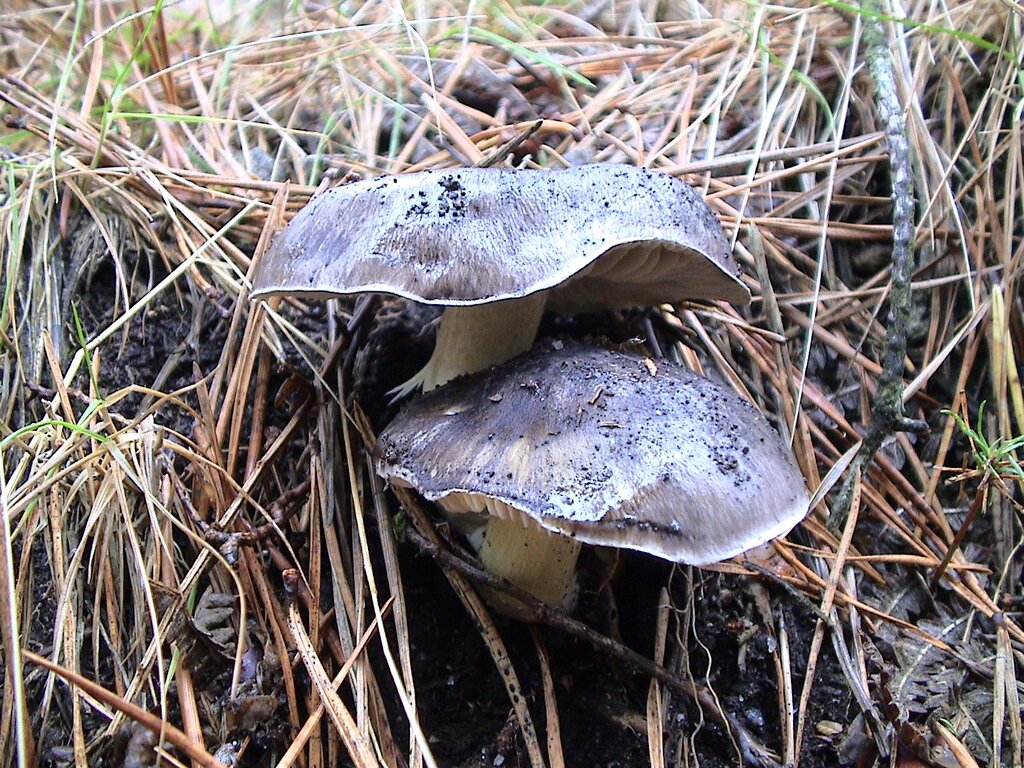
<point>584,444</point>
<point>494,246</point>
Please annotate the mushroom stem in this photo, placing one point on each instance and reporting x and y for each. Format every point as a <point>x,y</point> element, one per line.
<point>472,338</point>
<point>539,561</point>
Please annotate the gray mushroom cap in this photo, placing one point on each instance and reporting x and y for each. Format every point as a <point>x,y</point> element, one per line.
<point>588,443</point>
<point>471,236</point>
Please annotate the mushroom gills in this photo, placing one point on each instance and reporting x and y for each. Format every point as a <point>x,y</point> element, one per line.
<point>513,547</point>
<point>472,338</point>
<point>633,274</point>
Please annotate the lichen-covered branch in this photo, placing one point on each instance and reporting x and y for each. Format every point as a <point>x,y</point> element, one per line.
<point>887,416</point>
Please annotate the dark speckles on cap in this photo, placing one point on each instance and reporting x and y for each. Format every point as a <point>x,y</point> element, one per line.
<point>696,473</point>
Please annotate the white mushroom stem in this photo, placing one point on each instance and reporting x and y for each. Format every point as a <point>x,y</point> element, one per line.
<point>516,549</point>
<point>535,560</point>
<point>470,339</point>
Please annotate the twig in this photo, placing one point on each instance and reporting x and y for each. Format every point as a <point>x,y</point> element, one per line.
<point>980,497</point>
<point>228,542</point>
<point>506,149</point>
<point>887,415</point>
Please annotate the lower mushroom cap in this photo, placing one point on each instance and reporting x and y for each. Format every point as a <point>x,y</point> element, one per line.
<point>607,448</point>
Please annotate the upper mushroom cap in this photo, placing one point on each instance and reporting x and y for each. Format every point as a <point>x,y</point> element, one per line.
<point>587,442</point>
<point>628,236</point>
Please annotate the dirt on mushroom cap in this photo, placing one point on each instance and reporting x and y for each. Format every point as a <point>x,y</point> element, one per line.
<point>589,443</point>
<point>475,235</point>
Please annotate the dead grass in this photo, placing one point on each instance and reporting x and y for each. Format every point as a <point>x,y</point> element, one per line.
<point>158,149</point>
